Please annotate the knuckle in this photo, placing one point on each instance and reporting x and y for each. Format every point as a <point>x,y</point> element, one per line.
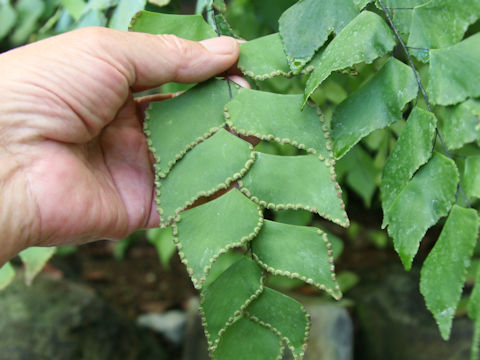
<point>181,51</point>
<point>177,45</point>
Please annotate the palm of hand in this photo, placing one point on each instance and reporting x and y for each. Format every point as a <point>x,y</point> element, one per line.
<point>107,183</point>
<point>85,161</point>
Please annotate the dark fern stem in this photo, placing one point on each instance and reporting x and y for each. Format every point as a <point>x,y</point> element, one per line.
<point>227,77</point>
<point>422,88</point>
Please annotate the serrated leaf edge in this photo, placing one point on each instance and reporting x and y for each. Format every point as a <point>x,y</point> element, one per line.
<point>198,282</point>
<point>280,335</point>
<point>284,141</point>
<point>213,345</point>
<point>134,19</point>
<point>274,330</point>
<point>176,217</point>
<point>329,163</point>
<point>262,77</point>
<point>279,207</point>
<point>304,60</point>
<point>177,157</point>
<point>335,293</point>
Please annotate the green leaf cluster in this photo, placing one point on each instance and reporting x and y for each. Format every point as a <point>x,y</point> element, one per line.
<point>24,21</point>
<point>380,125</point>
<point>213,188</point>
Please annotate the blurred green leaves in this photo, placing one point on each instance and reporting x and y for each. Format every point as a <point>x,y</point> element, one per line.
<point>7,273</point>
<point>8,17</point>
<point>24,21</point>
<point>445,269</point>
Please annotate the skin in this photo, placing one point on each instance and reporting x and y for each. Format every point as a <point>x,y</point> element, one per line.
<point>75,166</point>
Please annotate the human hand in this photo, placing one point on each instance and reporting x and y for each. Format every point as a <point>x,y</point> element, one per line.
<point>75,166</point>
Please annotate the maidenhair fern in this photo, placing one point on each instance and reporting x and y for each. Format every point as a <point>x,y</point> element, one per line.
<point>409,95</point>
<point>196,157</point>
<point>197,145</point>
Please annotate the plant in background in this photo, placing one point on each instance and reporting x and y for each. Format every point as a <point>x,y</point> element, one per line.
<point>23,21</point>
<point>421,180</point>
<point>377,95</point>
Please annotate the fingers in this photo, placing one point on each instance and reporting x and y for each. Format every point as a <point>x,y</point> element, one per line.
<point>152,60</point>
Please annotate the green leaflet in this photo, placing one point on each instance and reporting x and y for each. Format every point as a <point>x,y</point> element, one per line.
<point>222,263</point>
<point>246,339</point>
<point>421,203</point>
<point>190,27</point>
<point>445,269</point>
<point>207,231</point>
<point>263,58</point>
<point>34,259</point>
<point>224,300</point>
<point>458,124</point>
<point>162,240</point>
<point>305,27</point>
<point>285,315</point>
<point>376,105</point>
<point>471,178</point>
<point>299,252</point>
<point>295,182</point>
<point>212,165</point>
<point>366,38</point>
<point>403,18</point>
<point>176,125</point>
<point>276,117</point>
<point>124,11</point>
<point>7,274</point>
<point>441,23</point>
<point>454,72</point>
<point>412,150</point>
<point>223,26</point>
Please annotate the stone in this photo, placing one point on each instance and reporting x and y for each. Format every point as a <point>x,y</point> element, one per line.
<point>393,322</point>
<point>170,324</point>
<point>195,346</point>
<point>56,319</point>
<point>331,331</point>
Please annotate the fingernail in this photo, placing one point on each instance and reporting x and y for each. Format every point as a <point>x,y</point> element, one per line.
<point>223,45</point>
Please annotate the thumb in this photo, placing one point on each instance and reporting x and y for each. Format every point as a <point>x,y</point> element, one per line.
<point>152,60</point>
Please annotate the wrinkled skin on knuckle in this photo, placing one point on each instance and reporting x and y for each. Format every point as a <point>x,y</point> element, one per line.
<point>182,56</point>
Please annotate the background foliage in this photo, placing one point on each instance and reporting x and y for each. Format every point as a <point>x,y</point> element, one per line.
<point>393,116</point>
